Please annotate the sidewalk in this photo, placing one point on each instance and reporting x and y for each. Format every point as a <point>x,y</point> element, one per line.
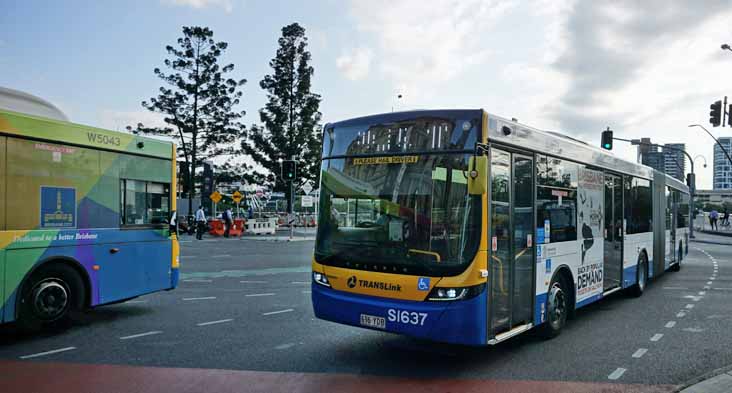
<point>718,381</point>
<point>710,237</point>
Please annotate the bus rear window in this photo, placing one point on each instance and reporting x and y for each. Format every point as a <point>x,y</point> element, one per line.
<point>144,203</point>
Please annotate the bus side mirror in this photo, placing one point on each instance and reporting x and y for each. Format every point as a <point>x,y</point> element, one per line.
<point>478,175</point>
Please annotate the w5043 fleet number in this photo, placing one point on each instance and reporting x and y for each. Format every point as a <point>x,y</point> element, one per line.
<point>407,317</point>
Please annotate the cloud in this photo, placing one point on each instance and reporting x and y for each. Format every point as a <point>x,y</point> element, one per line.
<point>227,5</point>
<point>354,64</point>
<point>421,45</point>
<point>623,60</point>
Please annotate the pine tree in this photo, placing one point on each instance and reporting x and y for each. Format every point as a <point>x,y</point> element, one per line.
<point>199,103</point>
<point>291,116</point>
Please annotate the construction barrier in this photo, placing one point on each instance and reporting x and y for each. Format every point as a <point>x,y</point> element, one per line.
<point>238,227</point>
<point>216,227</point>
<point>261,226</point>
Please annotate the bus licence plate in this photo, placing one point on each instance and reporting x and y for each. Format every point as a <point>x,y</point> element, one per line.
<point>373,321</point>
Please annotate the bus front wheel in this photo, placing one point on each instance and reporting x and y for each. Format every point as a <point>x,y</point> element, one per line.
<point>557,309</point>
<point>50,297</point>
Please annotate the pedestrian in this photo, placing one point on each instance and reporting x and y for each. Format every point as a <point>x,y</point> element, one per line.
<point>725,218</point>
<point>200,223</point>
<point>228,221</point>
<point>713,217</point>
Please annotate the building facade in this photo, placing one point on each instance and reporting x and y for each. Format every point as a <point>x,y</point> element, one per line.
<point>673,160</point>
<point>714,197</point>
<point>722,167</point>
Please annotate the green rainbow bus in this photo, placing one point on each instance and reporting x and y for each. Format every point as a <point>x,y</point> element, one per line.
<point>85,218</point>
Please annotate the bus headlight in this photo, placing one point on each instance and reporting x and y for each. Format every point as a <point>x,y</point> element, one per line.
<point>447,294</point>
<point>321,279</point>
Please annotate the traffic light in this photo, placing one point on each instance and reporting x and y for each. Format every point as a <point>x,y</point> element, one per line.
<point>729,116</point>
<point>607,139</point>
<point>691,182</point>
<point>715,113</point>
<point>289,170</point>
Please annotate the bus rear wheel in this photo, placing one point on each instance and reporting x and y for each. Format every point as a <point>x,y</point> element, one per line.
<point>50,297</point>
<point>641,275</point>
<point>677,266</point>
<point>557,309</point>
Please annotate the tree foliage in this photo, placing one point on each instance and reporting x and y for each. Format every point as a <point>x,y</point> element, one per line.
<point>290,119</point>
<point>198,100</point>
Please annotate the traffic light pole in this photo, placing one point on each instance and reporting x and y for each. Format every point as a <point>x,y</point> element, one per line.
<point>291,217</point>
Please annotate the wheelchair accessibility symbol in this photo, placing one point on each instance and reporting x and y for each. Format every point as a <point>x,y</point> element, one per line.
<point>423,284</point>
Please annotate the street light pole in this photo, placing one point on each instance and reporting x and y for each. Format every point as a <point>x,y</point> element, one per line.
<point>715,140</point>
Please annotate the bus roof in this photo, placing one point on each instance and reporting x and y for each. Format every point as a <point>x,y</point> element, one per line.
<point>560,145</point>
<point>50,130</point>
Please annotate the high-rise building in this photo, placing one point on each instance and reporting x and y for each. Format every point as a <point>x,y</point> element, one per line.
<point>673,160</point>
<point>722,167</point>
<point>654,159</point>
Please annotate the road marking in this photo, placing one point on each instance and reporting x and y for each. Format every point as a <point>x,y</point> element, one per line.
<point>253,282</point>
<point>656,337</point>
<point>676,288</point>
<point>278,312</point>
<point>711,278</point>
<point>702,293</point>
<point>259,294</point>
<point>693,330</point>
<point>723,289</point>
<point>670,324</point>
<point>617,373</point>
<point>285,346</point>
<point>196,280</point>
<point>308,291</point>
<point>709,283</point>
<point>35,355</point>
<point>680,314</point>
<point>221,256</point>
<point>300,282</point>
<point>154,332</point>
<point>136,301</point>
<point>689,306</point>
<point>214,322</point>
<point>199,298</point>
<point>640,352</point>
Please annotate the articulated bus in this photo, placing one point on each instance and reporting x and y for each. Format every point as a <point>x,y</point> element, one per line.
<point>463,227</point>
<point>85,218</point>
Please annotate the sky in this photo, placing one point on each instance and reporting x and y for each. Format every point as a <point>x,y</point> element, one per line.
<point>644,69</point>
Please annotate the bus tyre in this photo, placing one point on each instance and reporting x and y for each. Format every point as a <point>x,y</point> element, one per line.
<point>557,309</point>
<point>676,267</point>
<point>50,297</point>
<point>641,276</point>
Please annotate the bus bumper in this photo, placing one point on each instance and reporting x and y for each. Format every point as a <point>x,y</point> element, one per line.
<point>174,276</point>
<point>456,322</point>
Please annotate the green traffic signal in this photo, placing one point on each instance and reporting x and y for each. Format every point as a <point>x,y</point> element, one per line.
<point>607,139</point>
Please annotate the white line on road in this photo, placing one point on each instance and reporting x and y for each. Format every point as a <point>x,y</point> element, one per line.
<point>616,374</point>
<point>214,322</point>
<point>35,355</point>
<point>253,282</point>
<point>308,291</point>
<point>670,324</point>
<point>259,294</point>
<point>711,278</point>
<point>300,282</point>
<point>221,256</point>
<point>681,314</point>
<point>675,288</point>
<point>709,283</point>
<point>285,346</point>
<point>656,337</point>
<point>199,298</point>
<point>640,352</point>
<point>702,293</point>
<point>196,280</point>
<point>723,289</point>
<point>689,306</point>
<point>135,301</point>
<point>278,312</point>
<point>154,332</point>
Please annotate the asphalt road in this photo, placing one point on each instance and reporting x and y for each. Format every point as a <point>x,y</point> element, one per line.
<point>245,305</point>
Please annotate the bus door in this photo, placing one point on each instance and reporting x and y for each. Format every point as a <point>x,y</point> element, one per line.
<point>672,207</point>
<point>511,259</point>
<point>613,257</point>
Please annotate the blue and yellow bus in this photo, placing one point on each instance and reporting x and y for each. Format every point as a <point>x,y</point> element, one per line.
<point>463,227</point>
<point>85,218</point>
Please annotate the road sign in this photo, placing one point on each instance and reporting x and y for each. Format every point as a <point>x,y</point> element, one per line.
<point>307,188</point>
<point>307,201</point>
<point>236,196</point>
<point>215,196</point>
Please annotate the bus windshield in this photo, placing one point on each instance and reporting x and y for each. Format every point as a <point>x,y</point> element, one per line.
<point>398,214</point>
